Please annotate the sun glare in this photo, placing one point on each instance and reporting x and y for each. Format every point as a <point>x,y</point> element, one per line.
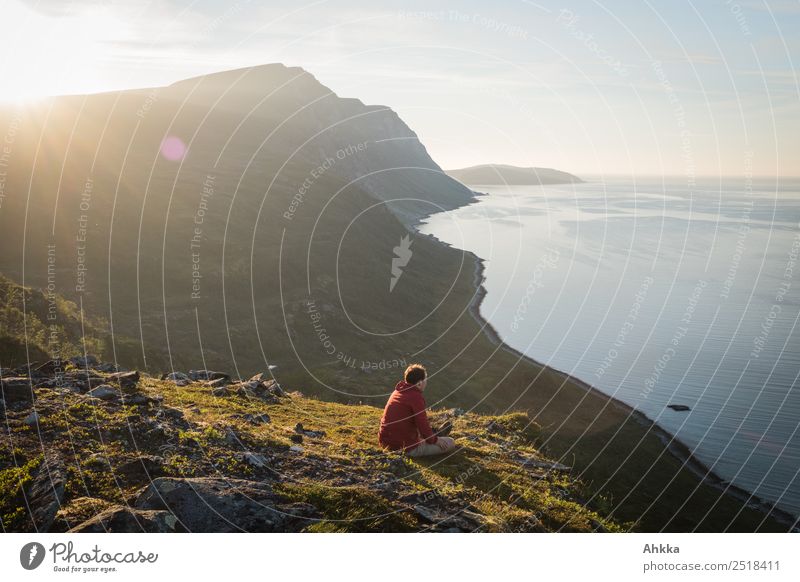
<point>54,55</point>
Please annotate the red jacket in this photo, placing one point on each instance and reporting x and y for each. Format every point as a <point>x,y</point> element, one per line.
<point>404,424</point>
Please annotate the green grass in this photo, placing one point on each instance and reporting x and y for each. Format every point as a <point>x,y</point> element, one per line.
<point>13,480</point>
<point>485,474</point>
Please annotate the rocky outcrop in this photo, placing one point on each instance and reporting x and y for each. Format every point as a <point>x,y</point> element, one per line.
<point>174,455</point>
<point>222,505</point>
<point>125,519</point>
<point>16,389</point>
<point>46,493</point>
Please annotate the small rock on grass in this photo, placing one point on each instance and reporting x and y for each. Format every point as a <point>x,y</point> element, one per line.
<point>255,459</point>
<point>103,392</point>
<point>126,380</point>
<point>179,378</point>
<point>206,375</point>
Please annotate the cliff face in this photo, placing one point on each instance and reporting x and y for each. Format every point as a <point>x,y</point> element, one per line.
<point>223,203</point>
<point>286,111</point>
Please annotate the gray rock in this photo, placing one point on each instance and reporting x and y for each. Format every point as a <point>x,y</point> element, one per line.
<point>255,459</point>
<point>232,439</point>
<point>141,399</point>
<point>205,375</point>
<point>103,392</point>
<point>50,367</point>
<point>84,361</point>
<point>219,382</point>
<point>143,467</point>
<point>125,519</point>
<point>178,378</point>
<point>46,493</point>
<point>32,419</point>
<point>245,391</point>
<point>16,389</point>
<point>170,412</point>
<point>106,367</point>
<point>207,504</point>
<point>99,461</point>
<point>126,380</point>
<point>543,464</point>
<point>314,434</point>
<point>274,388</point>
<point>257,418</point>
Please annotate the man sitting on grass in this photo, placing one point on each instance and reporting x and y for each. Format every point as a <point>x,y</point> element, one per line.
<point>404,425</point>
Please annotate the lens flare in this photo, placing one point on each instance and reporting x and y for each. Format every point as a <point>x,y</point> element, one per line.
<point>173,148</point>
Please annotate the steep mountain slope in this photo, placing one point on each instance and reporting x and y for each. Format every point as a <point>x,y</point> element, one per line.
<point>276,170</point>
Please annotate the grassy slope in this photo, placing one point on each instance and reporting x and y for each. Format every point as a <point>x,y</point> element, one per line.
<point>485,473</point>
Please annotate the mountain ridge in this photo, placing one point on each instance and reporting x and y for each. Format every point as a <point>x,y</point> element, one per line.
<point>506,175</point>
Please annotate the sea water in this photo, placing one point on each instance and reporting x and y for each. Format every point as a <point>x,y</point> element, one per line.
<point>658,292</point>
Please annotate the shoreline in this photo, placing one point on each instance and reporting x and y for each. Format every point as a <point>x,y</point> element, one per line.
<point>672,444</point>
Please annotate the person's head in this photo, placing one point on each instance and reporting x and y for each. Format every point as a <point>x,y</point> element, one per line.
<point>416,376</point>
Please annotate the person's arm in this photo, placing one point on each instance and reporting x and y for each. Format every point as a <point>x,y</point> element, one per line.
<point>421,419</point>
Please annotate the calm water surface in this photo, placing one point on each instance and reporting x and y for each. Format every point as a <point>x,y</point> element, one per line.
<point>659,294</point>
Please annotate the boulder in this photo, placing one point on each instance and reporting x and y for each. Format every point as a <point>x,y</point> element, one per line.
<point>143,467</point>
<point>274,388</point>
<point>16,389</point>
<point>219,382</point>
<point>178,378</point>
<point>32,419</point>
<point>208,504</point>
<point>126,380</point>
<point>171,413</point>
<point>84,361</point>
<point>103,392</point>
<point>106,367</point>
<point>46,493</point>
<point>85,380</point>
<point>50,367</point>
<point>262,377</point>
<point>125,519</point>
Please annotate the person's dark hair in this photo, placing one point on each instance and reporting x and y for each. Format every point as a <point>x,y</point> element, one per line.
<point>415,373</point>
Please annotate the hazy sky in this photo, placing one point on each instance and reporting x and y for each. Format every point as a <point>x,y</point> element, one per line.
<point>671,87</point>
